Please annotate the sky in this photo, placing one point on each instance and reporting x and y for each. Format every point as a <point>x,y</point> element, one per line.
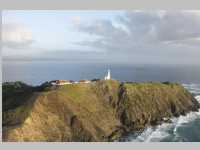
<point>158,37</point>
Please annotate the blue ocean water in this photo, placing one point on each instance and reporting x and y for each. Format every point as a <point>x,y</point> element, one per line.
<point>37,72</point>
<point>184,128</point>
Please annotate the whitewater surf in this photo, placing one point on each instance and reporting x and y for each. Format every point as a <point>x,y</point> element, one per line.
<point>182,129</point>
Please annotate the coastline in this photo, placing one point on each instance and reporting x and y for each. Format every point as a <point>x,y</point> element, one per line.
<point>117,103</point>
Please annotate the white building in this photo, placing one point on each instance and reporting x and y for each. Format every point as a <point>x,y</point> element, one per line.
<point>108,76</point>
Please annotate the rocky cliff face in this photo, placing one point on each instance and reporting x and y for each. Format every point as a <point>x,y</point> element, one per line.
<point>98,111</point>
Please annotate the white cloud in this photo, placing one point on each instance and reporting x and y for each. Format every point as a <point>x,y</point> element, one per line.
<point>16,36</point>
<point>76,20</point>
<point>132,36</point>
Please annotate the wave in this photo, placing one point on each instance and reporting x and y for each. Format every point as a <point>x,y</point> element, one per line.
<point>154,134</point>
<point>169,130</point>
<point>193,88</point>
<point>198,98</point>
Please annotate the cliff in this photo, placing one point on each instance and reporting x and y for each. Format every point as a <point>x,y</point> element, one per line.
<point>98,111</point>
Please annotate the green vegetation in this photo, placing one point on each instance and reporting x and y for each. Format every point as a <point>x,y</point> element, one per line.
<point>97,111</point>
<point>16,104</point>
<point>15,94</point>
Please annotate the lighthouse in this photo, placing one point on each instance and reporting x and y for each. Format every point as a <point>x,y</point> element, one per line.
<point>108,76</point>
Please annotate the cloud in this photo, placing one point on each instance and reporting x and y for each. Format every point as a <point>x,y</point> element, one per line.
<point>16,36</point>
<point>76,20</point>
<point>178,27</point>
<point>132,36</point>
<point>140,30</point>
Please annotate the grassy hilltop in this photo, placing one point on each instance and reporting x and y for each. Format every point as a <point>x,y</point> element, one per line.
<point>97,111</point>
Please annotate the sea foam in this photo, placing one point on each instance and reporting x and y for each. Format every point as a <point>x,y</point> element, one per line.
<point>160,132</point>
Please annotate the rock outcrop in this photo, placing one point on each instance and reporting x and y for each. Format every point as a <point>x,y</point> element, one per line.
<point>98,111</point>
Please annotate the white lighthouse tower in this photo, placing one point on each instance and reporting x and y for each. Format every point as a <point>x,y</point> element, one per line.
<point>108,76</point>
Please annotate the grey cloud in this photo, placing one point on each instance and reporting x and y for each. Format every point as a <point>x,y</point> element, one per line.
<point>101,28</point>
<point>179,26</point>
<point>140,30</point>
<point>145,36</point>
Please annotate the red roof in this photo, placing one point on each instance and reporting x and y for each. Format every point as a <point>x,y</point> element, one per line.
<point>61,81</point>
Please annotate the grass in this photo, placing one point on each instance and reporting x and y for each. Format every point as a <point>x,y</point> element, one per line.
<point>16,102</point>
<point>96,106</point>
<point>76,92</point>
<point>15,116</point>
<point>15,94</point>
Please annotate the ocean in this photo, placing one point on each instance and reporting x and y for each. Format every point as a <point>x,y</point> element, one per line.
<point>182,129</point>
<point>37,72</point>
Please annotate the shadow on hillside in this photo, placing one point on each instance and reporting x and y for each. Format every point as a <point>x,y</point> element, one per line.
<point>17,99</point>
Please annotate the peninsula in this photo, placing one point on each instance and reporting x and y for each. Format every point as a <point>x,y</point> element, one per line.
<point>101,110</point>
